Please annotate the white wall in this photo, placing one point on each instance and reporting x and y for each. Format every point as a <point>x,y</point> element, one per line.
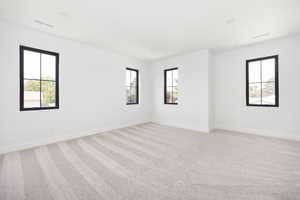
<point>92,91</point>
<point>229,80</point>
<point>193,109</point>
<point>211,91</point>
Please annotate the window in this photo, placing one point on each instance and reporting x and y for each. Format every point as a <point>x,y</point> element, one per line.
<point>38,79</point>
<point>171,86</point>
<point>262,82</point>
<point>132,86</point>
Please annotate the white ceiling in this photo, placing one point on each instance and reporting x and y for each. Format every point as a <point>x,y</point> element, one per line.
<point>154,29</point>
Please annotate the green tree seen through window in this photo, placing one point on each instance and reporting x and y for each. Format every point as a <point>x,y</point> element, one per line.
<point>48,90</point>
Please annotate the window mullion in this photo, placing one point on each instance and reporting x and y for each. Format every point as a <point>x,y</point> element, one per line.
<point>172,78</point>
<point>261,83</point>
<point>130,78</point>
<point>265,90</point>
<point>136,88</point>
<point>169,86</point>
<point>130,92</point>
<point>130,98</point>
<point>172,99</point>
<point>40,80</point>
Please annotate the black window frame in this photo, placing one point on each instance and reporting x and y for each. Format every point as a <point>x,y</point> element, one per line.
<point>26,48</point>
<point>137,86</point>
<point>276,81</point>
<point>165,86</point>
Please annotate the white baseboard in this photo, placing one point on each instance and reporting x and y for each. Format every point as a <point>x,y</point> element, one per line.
<point>54,139</point>
<point>182,127</point>
<point>288,135</point>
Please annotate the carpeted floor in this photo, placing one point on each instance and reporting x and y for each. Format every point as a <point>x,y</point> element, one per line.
<point>153,162</point>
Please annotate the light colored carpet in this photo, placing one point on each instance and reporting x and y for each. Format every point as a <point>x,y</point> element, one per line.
<point>152,162</point>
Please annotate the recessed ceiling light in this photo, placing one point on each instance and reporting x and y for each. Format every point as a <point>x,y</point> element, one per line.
<point>261,35</point>
<point>43,23</point>
<point>230,21</point>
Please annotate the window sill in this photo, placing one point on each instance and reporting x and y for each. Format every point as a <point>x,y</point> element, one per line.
<point>261,105</point>
<point>128,104</point>
<point>33,109</point>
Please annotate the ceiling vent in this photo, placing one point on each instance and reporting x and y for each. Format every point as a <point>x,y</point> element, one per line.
<point>43,23</point>
<point>261,35</point>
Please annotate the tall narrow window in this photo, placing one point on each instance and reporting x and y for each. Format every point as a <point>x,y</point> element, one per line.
<point>262,82</point>
<point>132,86</point>
<point>171,86</point>
<point>38,79</point>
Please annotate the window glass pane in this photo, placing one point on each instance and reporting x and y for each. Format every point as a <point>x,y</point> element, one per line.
<point>255,93</point>
<point>127,78</point>
<point>175,77</point>
<point>127,94</point>
<point>169,78</point>
<point>268,70</point>
<point>131,86</point>
<point>31,65</point>
<point>268,93</point>
<point>169,95</point>
<point>31,94</point>
<point>254,72</point>
<point>48,67</point>
<point>175,94</point>
<point>48,94</point>
<point>133,78</point>
<point>133,98</point>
